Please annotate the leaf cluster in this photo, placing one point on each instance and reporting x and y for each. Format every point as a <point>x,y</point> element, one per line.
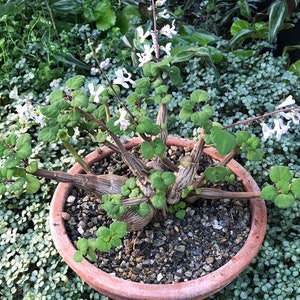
<point>284,190</point>
<point>107,238</point>
<point>113,205</point>
<point>178,209</point>
<point>161,181</point>
<point>15,178</point>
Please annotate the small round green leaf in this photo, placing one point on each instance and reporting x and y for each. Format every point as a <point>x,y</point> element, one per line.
<point>284,201</point>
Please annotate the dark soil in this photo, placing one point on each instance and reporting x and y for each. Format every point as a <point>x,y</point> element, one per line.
<point>167,250</point>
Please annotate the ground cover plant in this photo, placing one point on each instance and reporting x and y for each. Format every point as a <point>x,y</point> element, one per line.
<point>31,209</point>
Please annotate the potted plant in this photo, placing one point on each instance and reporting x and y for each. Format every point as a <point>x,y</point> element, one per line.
<point>157,182</point>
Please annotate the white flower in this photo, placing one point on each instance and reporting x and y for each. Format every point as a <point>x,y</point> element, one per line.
<point>122,121</point>
<point>94,71</point>
<point>88,56</point>
<point>288,101</point>
<point>26,111</point>
<point>160,3</point>
<point>38,118</point>
<point>96,93</point>
<point>164,14</point>
<point>123,77</point>
<point>280,128</point>
<point>98,48</point>
<point>104,63</point>
<point>294,116</point>
<point>167,49</point>
<point>267,131</point>
<point>169,31</point>
<point>141,35</point>
<point>146,56</point>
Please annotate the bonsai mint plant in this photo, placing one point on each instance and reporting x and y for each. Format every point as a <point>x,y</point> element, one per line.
<point>114,112</point>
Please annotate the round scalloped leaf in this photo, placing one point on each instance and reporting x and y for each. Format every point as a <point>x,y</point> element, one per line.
<point>33,184</point>
<point>118,229</point>
<point>158,201</point>
<point>280,173</point>
<point>75,82</point>
<point>284,201</point>
<point>82,245</point>
<point>78,257</point>
<point>295,187</point>
<point>269,192</point>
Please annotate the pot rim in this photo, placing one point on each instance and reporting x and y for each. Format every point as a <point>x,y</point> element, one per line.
<point>198,288</point>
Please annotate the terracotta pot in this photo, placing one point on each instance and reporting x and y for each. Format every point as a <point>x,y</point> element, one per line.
<point>200,288</point>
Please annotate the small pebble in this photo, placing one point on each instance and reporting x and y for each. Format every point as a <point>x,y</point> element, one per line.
<point>209,260</point>
<point>180,248</point>
<point>65,216</point>
<point>71,199</point>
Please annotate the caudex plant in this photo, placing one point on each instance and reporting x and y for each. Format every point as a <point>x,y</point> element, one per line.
<point>158,184</point>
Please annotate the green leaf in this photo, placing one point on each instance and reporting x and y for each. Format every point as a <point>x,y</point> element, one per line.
<point>278,11</point>
<point>283,186</point>
<point>106,17</point>
<point>147,150</point>
<point>244,8</point>
<point>33,184</point>
<point>168,178</point>
<point>295,68</point>
<point>159,201</point>
<point>103,245</point>
<point>56,95</point>
<point>48,134</point>
<point>104,233</point>
<point>255,154</point>
<point>2,189</point>
<point>183,55</point>
<point>18,186</point>
<point>24,152</point>
<point>175,76</point>
<point>80,99</point>
<point>224,141</point>
<point>180,214</point>
<point>284,201</point>
<point>11,163</point>
<point>217,173</point>
<point>279,173</point>
<point>242,137</point>
<point>156,180</point>
<point>11,139</point>
<point>159,146</point>
<point>75,82</point>
<point>118,229</point>
<point>82,245</point>
<point>238,26</point>
<point>295,187</point>
<point>269,192</point>
<point>143,209</point>
<point>115,242</point>
<point>198,96</point>
<point>91,255</point>
<point>145,125</point>
<point>240,37</point>
<point>78,257</point>
<point>24,139</point>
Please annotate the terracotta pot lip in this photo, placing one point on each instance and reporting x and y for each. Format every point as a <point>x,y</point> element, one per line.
<point>194,289</point>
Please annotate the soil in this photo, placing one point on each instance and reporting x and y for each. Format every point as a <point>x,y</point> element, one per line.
<point>168,250</point>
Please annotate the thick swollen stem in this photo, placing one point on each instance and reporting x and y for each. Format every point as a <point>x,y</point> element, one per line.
<point>97,184</point>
